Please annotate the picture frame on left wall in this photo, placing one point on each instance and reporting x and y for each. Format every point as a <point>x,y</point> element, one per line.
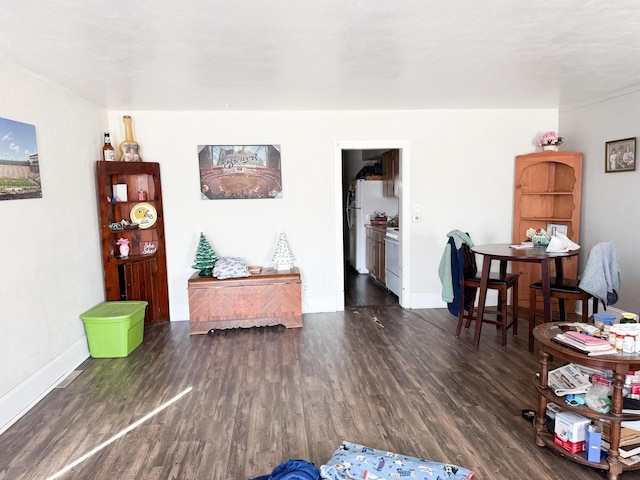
<point>620,155</point>
<point>19,163</point>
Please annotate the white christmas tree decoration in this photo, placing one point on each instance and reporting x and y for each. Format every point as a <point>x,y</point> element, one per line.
<point>283,256</point>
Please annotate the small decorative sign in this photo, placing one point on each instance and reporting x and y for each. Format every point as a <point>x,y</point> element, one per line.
<point>149,248</point>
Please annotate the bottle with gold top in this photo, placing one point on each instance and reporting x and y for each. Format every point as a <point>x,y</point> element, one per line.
<point>129,148</point>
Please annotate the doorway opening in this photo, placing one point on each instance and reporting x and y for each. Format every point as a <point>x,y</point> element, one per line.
<point>365,278</point>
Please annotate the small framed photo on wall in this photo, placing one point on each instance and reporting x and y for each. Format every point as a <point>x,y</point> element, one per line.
<point>620,155</point>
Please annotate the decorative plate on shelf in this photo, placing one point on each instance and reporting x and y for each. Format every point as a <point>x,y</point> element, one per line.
<point>144,214</point>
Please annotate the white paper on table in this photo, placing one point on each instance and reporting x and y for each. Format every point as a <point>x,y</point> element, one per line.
<point>561,243</point>
<point>522,246</point>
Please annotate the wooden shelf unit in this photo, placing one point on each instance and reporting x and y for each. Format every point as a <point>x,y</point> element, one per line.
<point>619,363</point>
<point>139,276</point>
<point>547,190</point>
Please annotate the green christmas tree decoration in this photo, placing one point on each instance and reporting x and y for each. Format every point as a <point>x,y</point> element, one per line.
<point>206,258</point>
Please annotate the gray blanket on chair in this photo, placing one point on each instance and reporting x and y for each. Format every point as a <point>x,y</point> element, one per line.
<point>601,276</point>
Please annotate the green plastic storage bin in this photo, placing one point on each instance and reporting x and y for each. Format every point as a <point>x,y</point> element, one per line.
<point>114,329</point>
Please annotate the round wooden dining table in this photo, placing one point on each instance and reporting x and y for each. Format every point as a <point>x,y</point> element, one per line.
<point>503,252</point>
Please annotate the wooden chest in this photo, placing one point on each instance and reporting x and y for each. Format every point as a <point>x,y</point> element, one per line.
<point>263,299</point>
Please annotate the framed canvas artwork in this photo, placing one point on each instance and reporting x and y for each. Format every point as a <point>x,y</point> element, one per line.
<point>19,164</point>
<point>239,171</point>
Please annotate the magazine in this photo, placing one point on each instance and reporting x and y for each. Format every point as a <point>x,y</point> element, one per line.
<point>568,379</point>
<point>585,339</point>
<point>595,349</point>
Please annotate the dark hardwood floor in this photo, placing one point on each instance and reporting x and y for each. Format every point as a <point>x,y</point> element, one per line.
<point>361,290</point>
<point>263,395</point>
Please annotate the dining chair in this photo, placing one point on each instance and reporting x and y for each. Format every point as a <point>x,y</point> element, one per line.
<point>497,281</point>
<point>562,289</point>
<point>600,281</point>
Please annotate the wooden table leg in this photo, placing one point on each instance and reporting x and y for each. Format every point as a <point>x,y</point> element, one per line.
<point>541,422</point>
<point>615,465</point>
<point>546,288</point>
<point>484,279</point>
<point>560,274</point>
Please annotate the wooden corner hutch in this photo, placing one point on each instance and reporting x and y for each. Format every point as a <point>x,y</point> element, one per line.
<point>548,189</point>
<point>142,275</point>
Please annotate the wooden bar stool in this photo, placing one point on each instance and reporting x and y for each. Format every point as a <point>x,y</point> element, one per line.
<point>501,282</point>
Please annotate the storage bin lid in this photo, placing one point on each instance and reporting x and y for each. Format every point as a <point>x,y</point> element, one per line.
<point>114,311</point>
<point>604,316</point>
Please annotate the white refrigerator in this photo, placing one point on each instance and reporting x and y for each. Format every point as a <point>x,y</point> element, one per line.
<point>363,200</point>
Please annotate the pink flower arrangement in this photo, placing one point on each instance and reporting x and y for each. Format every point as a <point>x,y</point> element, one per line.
<point>123,241</point>
<point>549,138</point>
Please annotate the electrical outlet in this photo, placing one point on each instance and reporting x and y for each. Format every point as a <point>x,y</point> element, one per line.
<point>417,218</point>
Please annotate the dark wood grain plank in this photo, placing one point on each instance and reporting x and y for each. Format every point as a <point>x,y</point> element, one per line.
<point>263,395</point>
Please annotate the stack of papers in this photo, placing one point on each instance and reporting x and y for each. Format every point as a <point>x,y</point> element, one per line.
<point>522,246</point>
<point>568,379</point>
<point>584,343</point>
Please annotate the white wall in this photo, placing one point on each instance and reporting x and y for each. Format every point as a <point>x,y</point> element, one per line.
<point>610,206</point>
<point>461,177</point>
<point>49,247</point>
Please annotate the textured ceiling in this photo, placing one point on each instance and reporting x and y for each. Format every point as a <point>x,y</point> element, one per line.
<point>327,54</point>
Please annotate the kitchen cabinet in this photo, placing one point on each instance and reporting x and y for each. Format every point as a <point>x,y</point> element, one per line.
<point>142,274</point>
<point>376,252</point>
<point>548,190</point>
<point>390,173</point>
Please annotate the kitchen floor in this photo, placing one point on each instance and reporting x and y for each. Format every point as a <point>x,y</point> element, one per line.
<point>363,291</point>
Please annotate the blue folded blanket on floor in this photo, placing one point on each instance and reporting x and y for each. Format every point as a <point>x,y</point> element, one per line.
<point>293,470</point>
<point>351,461</point>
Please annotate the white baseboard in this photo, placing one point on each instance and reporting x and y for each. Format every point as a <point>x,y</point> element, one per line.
<point>311,304</point>
<point>179,312</point>
<point>23,397</point>
<point>612,310</point>
<point>434,300</point>
<point>427,300</point>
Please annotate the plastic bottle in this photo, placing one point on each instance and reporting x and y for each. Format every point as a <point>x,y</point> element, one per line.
<point>612,335</point>
<point>628,318</point>
<point>620,334</point>
<point>629,342</point>
<point>606,327</point>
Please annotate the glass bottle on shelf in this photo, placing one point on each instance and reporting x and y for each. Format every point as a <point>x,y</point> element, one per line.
<point>108,152</point>
<point>129,148</point>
